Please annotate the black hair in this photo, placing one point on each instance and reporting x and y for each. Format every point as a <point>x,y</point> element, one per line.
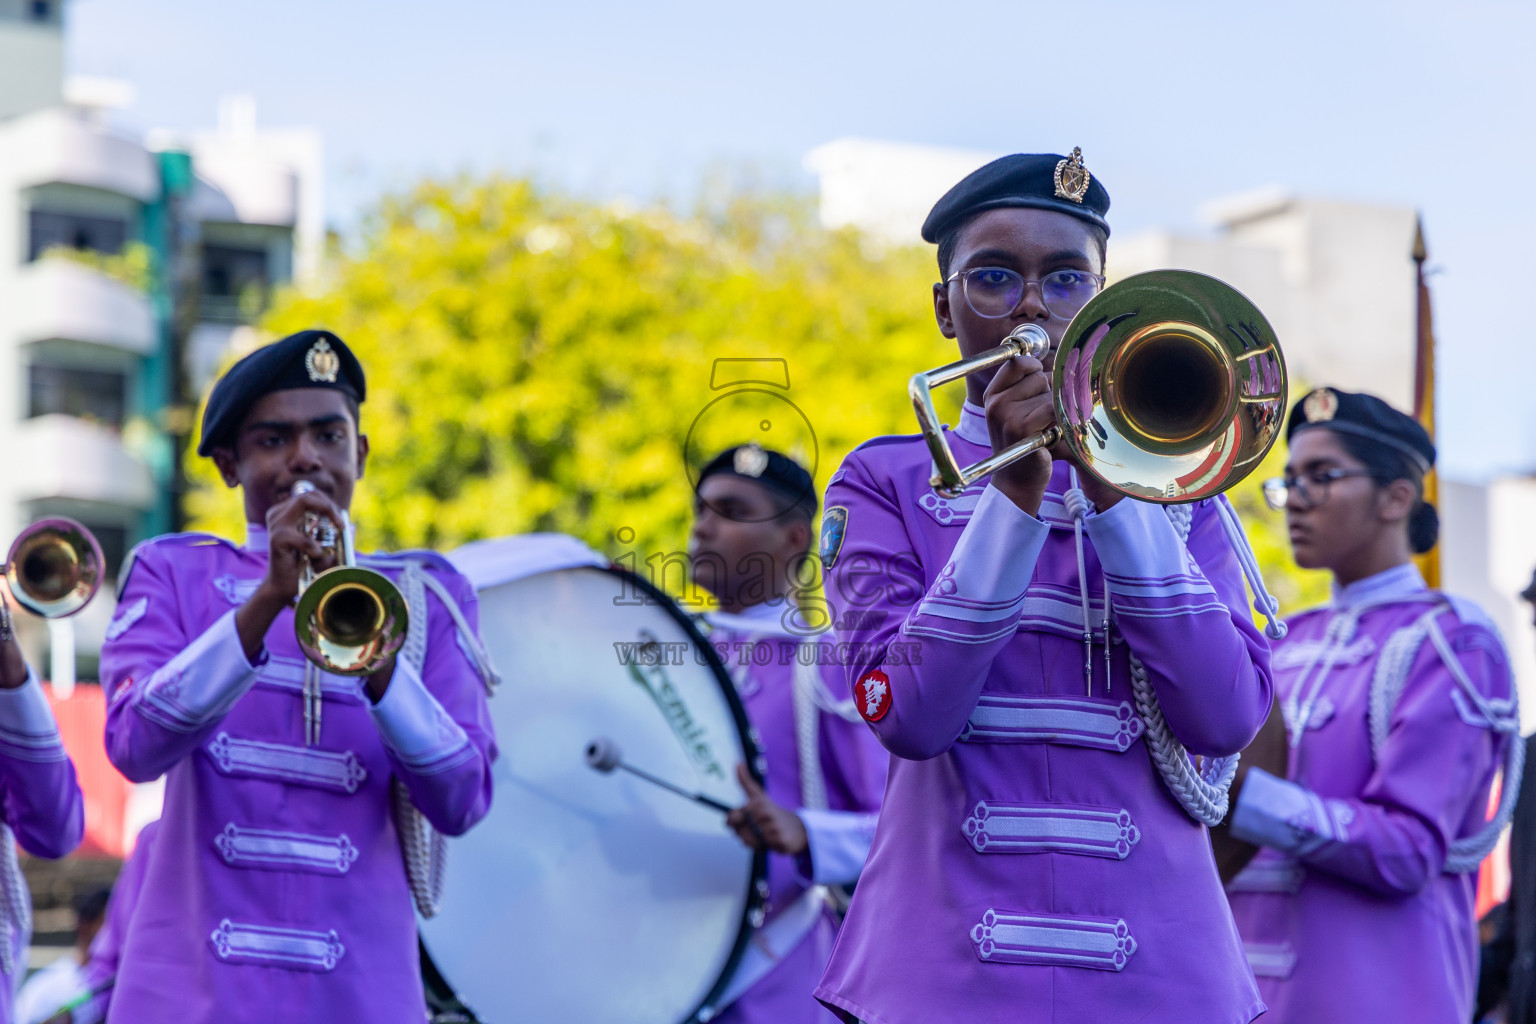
<point>951,239</point>
<point>1386,465</point>
<point>91,904</point>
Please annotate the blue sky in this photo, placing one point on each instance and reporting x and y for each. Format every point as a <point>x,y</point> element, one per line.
<point>1430,105</point>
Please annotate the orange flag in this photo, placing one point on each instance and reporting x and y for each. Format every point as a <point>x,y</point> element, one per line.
<point>1424,391</point>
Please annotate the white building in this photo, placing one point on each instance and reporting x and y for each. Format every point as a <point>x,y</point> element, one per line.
<point>127,270</point>
<point>1336,281</point>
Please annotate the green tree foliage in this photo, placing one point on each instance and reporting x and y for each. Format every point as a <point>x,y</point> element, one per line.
<point>537,362</point>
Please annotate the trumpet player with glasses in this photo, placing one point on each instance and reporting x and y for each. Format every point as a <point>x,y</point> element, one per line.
<point>1078,664</point>
<point>315,748</point>
<point>53,570</point>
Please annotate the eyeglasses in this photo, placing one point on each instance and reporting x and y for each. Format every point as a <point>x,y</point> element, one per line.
<point>1310,488</point>
<point>995,292</point>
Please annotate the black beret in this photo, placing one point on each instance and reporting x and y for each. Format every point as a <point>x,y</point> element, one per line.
<point>1363,416</point>
<point>779,473</point>
<point>309,359</point>
<point>1046,181</point>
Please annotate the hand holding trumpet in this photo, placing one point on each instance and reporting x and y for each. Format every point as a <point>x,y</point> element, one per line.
<point>292,537</point>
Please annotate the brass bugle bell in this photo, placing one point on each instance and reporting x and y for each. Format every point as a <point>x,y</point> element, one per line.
<point>54,567</point>
<point>349,620</point>
<point>1168,386</point>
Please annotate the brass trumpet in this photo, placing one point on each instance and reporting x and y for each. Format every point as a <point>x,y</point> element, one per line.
<point>54,568</point>
<point>349,620</point>
<point>1168,386</point>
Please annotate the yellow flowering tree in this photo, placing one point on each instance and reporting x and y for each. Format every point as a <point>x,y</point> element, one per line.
<point>536,362</point>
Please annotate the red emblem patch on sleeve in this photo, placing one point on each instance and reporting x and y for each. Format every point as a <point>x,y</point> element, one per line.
<point>873,692</point>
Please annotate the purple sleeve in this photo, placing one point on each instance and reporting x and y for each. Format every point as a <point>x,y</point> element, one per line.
<point>37,779</point>
<point>854,767</point>
<point>1432,776</point>
<point>166,691</point>
<point>106,949</point>
<point>1184,612</point>
<point>436,725</point>
<point>935,649</point>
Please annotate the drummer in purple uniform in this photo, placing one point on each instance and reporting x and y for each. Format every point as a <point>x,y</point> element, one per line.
<point>277,888</point>
<point>824,774</point>
<point>40,798</point>
<point>1032,862</point>
<point>1399,707</point>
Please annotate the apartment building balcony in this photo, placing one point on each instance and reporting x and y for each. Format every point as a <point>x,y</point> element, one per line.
<point>239,185</point>
<point>60,147</point>
<point>62,300</point>
<point>62,457</point>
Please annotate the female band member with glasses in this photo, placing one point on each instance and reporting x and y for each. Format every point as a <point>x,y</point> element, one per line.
<point>1399,709</point>
<point>1031,862</point>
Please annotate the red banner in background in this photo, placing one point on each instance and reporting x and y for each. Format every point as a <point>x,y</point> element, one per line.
<point>82,720</point>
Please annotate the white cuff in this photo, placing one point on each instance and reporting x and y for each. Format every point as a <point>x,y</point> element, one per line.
<point>414,724</point>
<point>1267,807</point>
<point>25,708</point>
<point>1135,538</point>
<point>983,584</point>
<point>839,842</point>
<point>204,681</point>
<point>28,729</point>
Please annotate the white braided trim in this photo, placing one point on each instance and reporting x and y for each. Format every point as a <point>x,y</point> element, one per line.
<point>1203,793</point>
<point>1503,717</point>
<point>17,912</point>
<point>421,846</point>
<point>813,784</point>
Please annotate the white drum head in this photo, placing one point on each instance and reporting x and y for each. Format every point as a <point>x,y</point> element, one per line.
<point>584,896</point>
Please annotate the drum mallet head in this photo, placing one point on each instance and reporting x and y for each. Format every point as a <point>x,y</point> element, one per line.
<point>604,755</point>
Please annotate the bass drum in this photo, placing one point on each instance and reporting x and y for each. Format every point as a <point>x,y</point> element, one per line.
<point>590,896</point>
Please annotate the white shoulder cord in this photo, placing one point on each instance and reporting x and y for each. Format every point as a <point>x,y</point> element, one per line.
<point>423,848</point>
<point>1263,600</point>
<point>1203,793</point>
<point>1502,716</point>
<point>813,784</point>
<point>17,910</point>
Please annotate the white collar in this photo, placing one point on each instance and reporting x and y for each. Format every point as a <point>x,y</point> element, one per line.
<point>973,425</point>
<point>767,617</point>
<point>1397,583</point>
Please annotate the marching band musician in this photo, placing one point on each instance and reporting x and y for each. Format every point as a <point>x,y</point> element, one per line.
<point>1399,707</point>
<point>281,881</point>
<point>1030,864</point>
<point>40,797</point>
<point>816,811</point>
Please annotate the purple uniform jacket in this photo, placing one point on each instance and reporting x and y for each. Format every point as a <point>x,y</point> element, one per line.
<point>789,952</point>
<point>276,889</point>
<point>100,972</point>
<point>1349,914</point>
<point>1029,864</point>
<point>40,796</point>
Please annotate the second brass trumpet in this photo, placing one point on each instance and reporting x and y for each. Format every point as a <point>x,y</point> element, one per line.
<point>1168,386</point>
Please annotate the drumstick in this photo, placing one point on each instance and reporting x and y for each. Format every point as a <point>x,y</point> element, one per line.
<point>603,755</point>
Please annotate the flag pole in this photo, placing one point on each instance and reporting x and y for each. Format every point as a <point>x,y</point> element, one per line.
<point>1424,388</point>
